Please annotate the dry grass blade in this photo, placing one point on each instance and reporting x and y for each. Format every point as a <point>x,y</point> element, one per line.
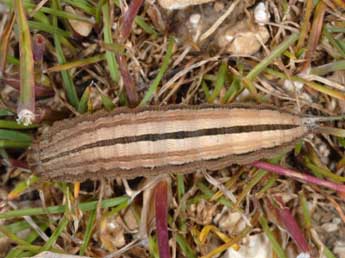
<point>5,37</point>
<point>220,20</point>
<point>306,24</point>
<point>315,33</point>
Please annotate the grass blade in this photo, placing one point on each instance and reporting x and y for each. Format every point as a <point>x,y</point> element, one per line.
<point>86,206</point>
<point>82,107</point>
<point>5,37</point>
<point>219,82</point>
<point>9,124</point>
<point>26,102</point>
<point>275,245</point>
<point>66,77</point>
<point>269,59</point>
<point>75,64</point>
<point>88,231</point>
<point>57,232</point>
<point>315,32</point>
<point>128,18</point>
<point>154,85</point>
<point>14,136</point>
<point>109,56</point>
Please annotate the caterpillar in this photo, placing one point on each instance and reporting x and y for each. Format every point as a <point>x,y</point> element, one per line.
<point>148,141</point>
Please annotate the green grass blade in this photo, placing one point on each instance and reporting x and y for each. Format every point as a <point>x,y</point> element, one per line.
<point>233,90</point>
<point>66,77</point>
<point>85,6</point>
<point>57,232</point>
<point>327,68</point>
<point>46,10</point>
<point>209,193</point>
<point>16,227</point>
<point>75,64</point>
<point>219,82</point>
<point>334,42</point>
<point>49,29</point>
<point>82,108</point>
<point>87,236</point>
<point>154,85</point>
<point>14,136</point>
<point>12,60</point>
<point>22,186</point>
<point>182,205</point>
<point>153,247</point>
<point>10,124</point>
<point>328,253</point>
<point>107,103</point>
<point>186,249</point>
<point>259,175</point>
<point>67,80</point>
<point>275,245</point>
<point>269,59</point>
<point>17,252</point>
<point>145,26</point>
<point>205,89</point>
<point>87,206</point>
<point>18,240</point>
<point>109,56</point>
<point>10,144</point>
<point>6,112</point>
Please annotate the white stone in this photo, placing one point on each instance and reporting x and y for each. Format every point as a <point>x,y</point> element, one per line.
<point>291,85</point>
<point>194,19</point>
<point>255,246</point>
<point>303,255</point>
<point>261,14</point>
<point>243,39</point>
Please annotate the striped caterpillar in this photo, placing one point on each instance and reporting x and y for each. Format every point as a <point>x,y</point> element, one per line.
<point>171,139</point>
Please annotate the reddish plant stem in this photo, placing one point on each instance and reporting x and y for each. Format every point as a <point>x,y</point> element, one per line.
<point>38,47</point>
<point>287,219</point>
<point>301,177</point>
<point>40,90</point>
<point>128,18</point>
<point>14,163</point>
<point>128,82</point>
<point>125,30</point>
<point>161,206</point>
